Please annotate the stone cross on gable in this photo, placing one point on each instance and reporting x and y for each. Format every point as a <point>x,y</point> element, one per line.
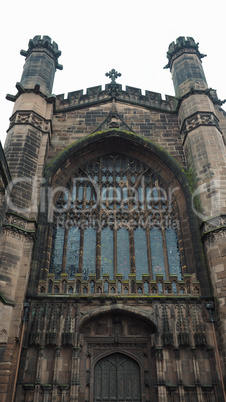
<point>113,74</point>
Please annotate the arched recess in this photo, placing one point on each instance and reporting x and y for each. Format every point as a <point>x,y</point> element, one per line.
<point>134,313</point>
<point>59,171</point>
<point>107,332</point>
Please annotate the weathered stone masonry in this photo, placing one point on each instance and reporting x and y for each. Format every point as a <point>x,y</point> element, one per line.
<point>58,330</point>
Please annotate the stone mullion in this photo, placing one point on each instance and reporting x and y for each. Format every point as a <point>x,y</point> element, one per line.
<point>98,251</point>
<point>115,249</point>
<point>166,261</point>
<point>149,253</point>
<point>179,238</point>
<point>81,230</point>
<point>115,228</point>
<point>66,231</point>
<point>81,249</point>
<point>99,226</point>
<point>47,253</point>
<point>64,258</point>
<point>132,251</point>
<point>131,231</point>
<point>147,216</point>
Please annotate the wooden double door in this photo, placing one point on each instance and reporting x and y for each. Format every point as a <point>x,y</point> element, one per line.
<point>117,378</point>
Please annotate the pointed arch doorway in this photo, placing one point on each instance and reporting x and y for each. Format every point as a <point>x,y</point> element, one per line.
<point>117,378</point>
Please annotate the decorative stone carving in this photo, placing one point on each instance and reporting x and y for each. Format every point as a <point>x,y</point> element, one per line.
<point>19,227</point>
<point>3,336</point>
<point>198,119</point>
<point>19,234</point>
<point>32,118</point>
<point>214,228</point>
<point>51,338</point>
<point>200,339</point>
<point>183,339</point>
<point>67,338</point>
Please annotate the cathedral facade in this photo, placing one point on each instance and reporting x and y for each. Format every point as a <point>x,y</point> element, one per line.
<point>113,238</point>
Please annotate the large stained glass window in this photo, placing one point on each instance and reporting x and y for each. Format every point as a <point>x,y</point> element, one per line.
<point>115,217</point>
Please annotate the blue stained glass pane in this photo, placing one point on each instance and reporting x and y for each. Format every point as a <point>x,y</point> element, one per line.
<point>146,288</point>
<point>123,255</point>
<point>125,194</point>
<point>140,194</point>
<point>110,194</point>
<point>105,287</point>
<point>88,193</point>
<point>80,193</point>
<point>73,245</point>
<point>133,178</point>
<point>157,257</point>
<point>89,252</point>
<point>148,195</point>
<point>73,196</point>
<point>104,193</point>
<point>57,252</point>
<point>173,253</point>
<point>155,194</point>
<point>107,266</point>
<point>141,258</point>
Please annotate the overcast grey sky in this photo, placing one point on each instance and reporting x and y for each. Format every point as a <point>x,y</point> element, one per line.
<point>98,35</point>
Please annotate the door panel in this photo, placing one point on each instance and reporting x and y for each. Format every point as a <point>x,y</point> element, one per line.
<point>117,378</point>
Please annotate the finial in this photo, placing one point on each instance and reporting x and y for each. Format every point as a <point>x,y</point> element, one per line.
<point>113,74</point>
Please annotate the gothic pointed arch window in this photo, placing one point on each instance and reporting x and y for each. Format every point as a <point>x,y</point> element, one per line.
<point>116,216</point>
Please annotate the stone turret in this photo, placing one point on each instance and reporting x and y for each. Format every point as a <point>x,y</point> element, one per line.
<point>198,122</point>
<point>186,66</point>
<point>40,65</point>
<point>26,145</point>
<point>204,149</point>
<point>30,124</point>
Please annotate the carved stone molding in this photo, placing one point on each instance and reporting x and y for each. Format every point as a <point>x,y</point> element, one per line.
<point>198,119</point>
<point>19,221</point>
<point>214,228</point>
<point>19,234</point>
<point>32,118</point>
<point>19,227</point>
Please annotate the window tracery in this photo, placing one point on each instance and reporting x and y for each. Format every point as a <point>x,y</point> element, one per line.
<point>115,217</point>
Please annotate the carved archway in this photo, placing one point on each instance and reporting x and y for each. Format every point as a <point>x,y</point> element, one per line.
<point>120,338</point>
